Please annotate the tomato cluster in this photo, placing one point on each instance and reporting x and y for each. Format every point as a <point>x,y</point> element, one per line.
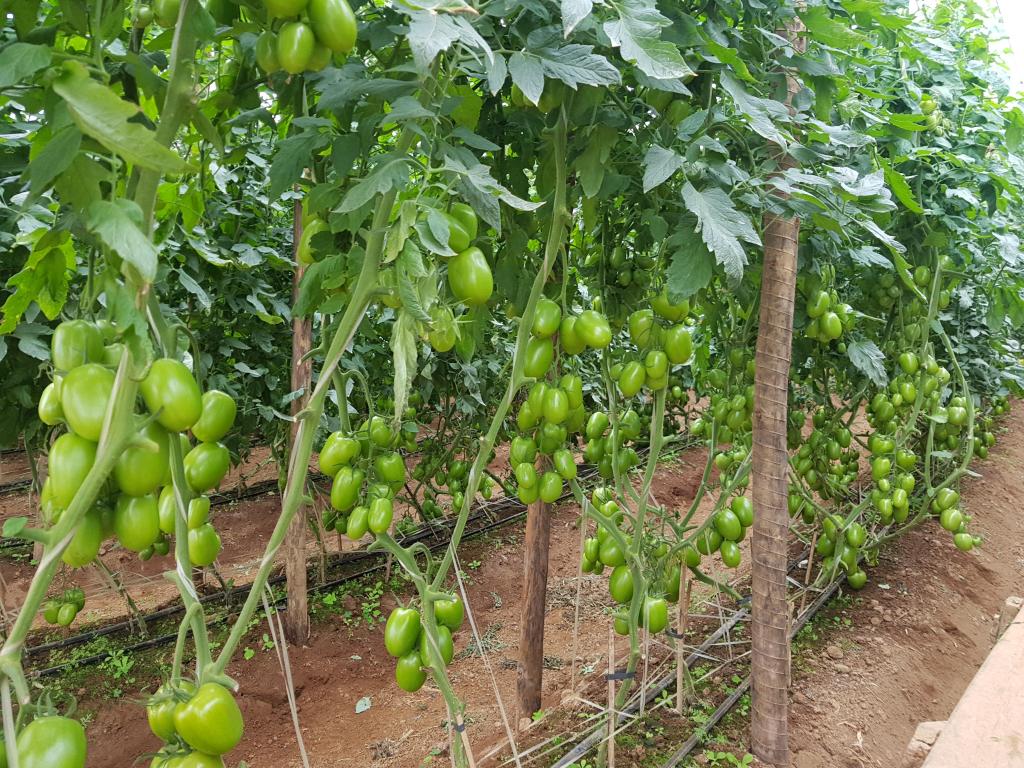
<point>63,610</point>
<point>198,724</point>
<point>407,640</point>
<point>133,508</point>
<point>304,35</point>
<point>828,316</point>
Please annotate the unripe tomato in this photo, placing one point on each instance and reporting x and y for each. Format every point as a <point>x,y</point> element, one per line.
<point>167,509</point>
<point>198,512</point>
<point>358,523</point>
<point>70,459</point>
<point>295,43</point>
<point>951,519</point>
<point>166,12</point>
<point>266,53</point>
<point>136,521</point>
<point>856,535</point>
<point>402,631</point>
<point>556,405</point>
<point>450,612</point>
<point>655,614</point>
<point>620,584</point>
<point>172,395</point>
<point>666,309</point>
<point>568,337</point>
<point>731,555</point>
<point>203,545</point>
<point>564,464</point>
<point>592,327</point>
<point>632,379</point>
<point>469,277</point>
<point>334,25</point>
<point>338,451</point>
<point>708,541</point>
<point>160,709</point>
<point>84,397</point>
<point>409,672</point>
<point>610,553</point>
<point>210,721</point>
<point>550,487</point>
<point>140,470</point>
<point>206,465</point>
<point>50,410</point>
<point>547,318</point>
<point>444,644</point>
<point>857,579</point>
<point>597,425</point>
<point>348,483</point>
<point>678,344</point>
<point>442,333</point>
<point>818,304</point>
<point>642,327</point>
<point>526,475</point>
<point>282,9</point>
<point>964,541</point>
<point>381,514</point>
<point>656,365</point>
<point>319,59</point>
<point>539,354</point>
<point>52,742</point>
<point>143,17</point>
<point>522,450</point>
<point>831,326</point>
<point>85,544</point>
<point>217,417</point>
<point>728,525</point>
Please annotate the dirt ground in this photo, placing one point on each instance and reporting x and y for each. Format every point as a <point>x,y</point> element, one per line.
<point>865,674</point>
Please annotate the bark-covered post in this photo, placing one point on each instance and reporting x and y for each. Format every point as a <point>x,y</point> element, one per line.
<point>296,620</point>
<point>769,722</point>
<point>530,675</point>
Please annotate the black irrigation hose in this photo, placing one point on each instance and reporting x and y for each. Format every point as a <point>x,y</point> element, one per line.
<point>724,708</point>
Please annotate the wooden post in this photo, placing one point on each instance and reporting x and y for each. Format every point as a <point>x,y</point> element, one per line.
<point>769,721</point>
<point>611,696</point>
<point>530,675</point>
<point>296,623</point>
<point>682,620</point>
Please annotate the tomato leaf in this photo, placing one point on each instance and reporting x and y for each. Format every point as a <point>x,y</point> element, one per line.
<point>762,114</point>
<point>13,526</point>
<point>826,30</point>
<point>403,348</point>
<point>430,33</point>
<point>53,159</point>
<point>898,184</point>
<point>528,74</point>
<point>294,154</point>
<point>110,120</point>
<point>593,162</point>
<point>869,256</point>
<point>19,61</point>
<point>573,12</point>
<point>659,165</point>
<point>722,226</point>
<point>637,34</point>
<point>869,360</point>
<point>691,266</point>
<point>117,224</point>
<point>389,174</point>
<point>575,64</point>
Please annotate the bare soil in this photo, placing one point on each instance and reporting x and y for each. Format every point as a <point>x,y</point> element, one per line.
<point>908,645</point>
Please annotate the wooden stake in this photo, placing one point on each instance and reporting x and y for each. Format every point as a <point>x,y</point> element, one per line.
<point>611,696</point>
<point>461,728</point>
<point>296,620</point>
<point>530,676</point>
<point>682,619</point>
<point>807,575</point>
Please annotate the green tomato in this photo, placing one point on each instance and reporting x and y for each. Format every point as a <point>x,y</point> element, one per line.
<point>206,465</point>
<point>402,631</point>
<point>469,277</point>
<point>160,708</point>
<point>50,410</point>
<point>85,544</point>
<point>346,488</point>
<point>75,343</point>
<point>136,521</point>
<point>539,355</point>
<point>568,337</point>
<point>728,525</point>
<point>565,464</point>
<point>140,469</point>
<point>210,721</point>
<point>593,328</point>
<point>547,318</point>
<point>70,459</point>
<point>266,53</point>
<point>217,418</point>
<point>450,612</point>
<point>203,545</point>
<point>283,9</point>
<point>335,25</point>
<point>556,405</point>
<point>445,644</point>
<point>655,614</point>
<point>338,451</point>
<point>358,523</point>
<point>84,397</point>
<point>730,552</point>
<point>678,344</point>
<point>550,487</point>
<point>632,379</point>
<point>409,672</point>
<point>52,742</point>
<point>172,395</point>
<point>390,467</point>
<point>380,515</point>
<point>620,584</point>
<point>295,44</point>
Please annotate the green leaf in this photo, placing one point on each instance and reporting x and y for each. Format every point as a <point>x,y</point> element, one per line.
<point>827,30</point>
<point>118,225</point>
<point>403,349</point>
<point>19,61</point>
<point>14,526</point>
<point>869,360</point>
<point>385,177</point>
<point>407,108</point>
<point>868,256</point>
<point>593,162</point>
<point>527,74</point>
<point>898,184</point>
<point>44,279</point>
<point>691,266</point>
<point>430,33</point>
<point>573,12</point>
<point>763,114</point>
<point>294,154</point>
<point>659,165</point>
<point>574,65</point>
<point>110,120</point>
<point>722,226</point>
<point>637,34</point>
<point>908,122</point>
<point>60,151</point>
